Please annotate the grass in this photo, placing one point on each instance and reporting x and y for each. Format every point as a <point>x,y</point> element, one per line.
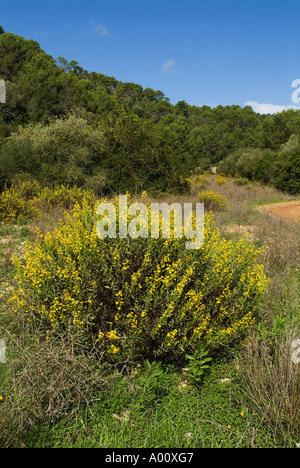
<point>12,240</point>
<point>247,400</point>
<point>275,200</point>
<point>169,414</point>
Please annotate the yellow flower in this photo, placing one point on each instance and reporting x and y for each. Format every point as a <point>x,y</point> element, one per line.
<point>112,335</point>
<point>113,349</point>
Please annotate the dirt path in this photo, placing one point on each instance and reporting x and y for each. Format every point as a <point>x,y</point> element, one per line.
<point>286,210</point>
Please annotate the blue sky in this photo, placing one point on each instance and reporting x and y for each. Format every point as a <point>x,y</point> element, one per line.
<point>214,52</point>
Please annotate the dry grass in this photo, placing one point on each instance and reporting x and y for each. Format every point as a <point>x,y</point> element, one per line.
<point>47,380</point>
<point>271,382</point>
<point>48,222</point>
<point>241,199</point>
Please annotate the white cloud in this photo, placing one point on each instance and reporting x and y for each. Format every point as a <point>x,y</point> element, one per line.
<point>268,108</point>
<point>168,66</point>
<point>101,30</point>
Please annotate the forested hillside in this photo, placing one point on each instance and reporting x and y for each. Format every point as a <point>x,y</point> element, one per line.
<point>62,123</point>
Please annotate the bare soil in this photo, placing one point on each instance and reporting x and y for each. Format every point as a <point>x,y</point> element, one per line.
<point>286,210</point>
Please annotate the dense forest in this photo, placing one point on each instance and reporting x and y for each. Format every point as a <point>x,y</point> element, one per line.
<point>62,123</point>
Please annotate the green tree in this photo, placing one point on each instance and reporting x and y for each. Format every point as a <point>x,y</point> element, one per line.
<point>276,131</point>
<point>137,156</point>
<point>64,64</point>
<point>65,151</point>
<point>288,177</point>
<point>182,108</point>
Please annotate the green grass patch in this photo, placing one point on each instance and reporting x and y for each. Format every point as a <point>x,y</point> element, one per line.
<point>273,201</point>
<point>163,412</point>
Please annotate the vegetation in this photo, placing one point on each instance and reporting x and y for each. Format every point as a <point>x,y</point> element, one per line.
<point>280,168</point>
<point>119,343</point>
<point>144,298</point>
<point>85,368</point>
<point>212,200</point>
<point>130,138</point>
<point>27,200</point>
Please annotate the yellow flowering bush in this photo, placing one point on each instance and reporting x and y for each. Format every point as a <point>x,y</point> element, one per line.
<point>221,180</point>
<point>29,200</point>
<point>140,297</point>
<point>201,181</point>
<point>212,200</point>
<point>241,180</point>
<point>16,207</point>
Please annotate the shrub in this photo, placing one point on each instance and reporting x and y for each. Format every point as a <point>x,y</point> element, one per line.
<point>288,177</point>
<point>14,207</point>
<point>201,182</point>
<point>62,151</point>
<point>221,180</point>
<point>241,180</point>
<point>141,298</point>
<point>212,200</point>
<point>29,200</point>
<point>66,197</point>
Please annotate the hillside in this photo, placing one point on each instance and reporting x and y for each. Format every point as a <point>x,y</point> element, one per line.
<point>147,142</point>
